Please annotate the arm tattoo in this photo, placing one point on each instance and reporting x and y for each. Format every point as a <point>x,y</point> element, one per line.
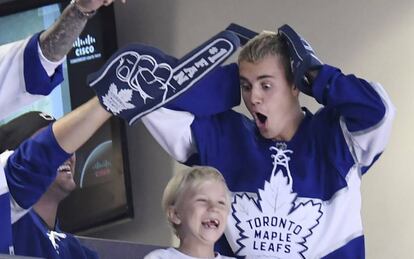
<point>57,41</point>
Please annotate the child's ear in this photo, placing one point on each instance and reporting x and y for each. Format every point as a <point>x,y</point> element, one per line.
<point>173,216</point>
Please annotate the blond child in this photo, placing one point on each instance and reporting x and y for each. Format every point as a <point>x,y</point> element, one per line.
<point>196,203</point>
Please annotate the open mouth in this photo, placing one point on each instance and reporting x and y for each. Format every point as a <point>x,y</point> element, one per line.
<point>65,168</point>
<point>262,118</point>
<point>211,223</point>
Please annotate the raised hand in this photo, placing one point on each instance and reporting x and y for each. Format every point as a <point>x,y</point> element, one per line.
<point>88,6</point>
<point>138,79</point>
<point>303,59</point>
<point>57,40</point>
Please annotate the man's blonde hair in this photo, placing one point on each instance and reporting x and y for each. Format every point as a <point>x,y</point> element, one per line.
<point>267,43</point>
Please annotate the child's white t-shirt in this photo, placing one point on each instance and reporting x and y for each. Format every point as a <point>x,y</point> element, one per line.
<point>172,253</point>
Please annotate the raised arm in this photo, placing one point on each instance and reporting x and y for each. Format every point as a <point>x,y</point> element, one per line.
<point>364,110</point>
<point>32,167</point>
<point>32,67</point>
<point>171,126</point>
<point>77,127</point>
<point>57,41</point>
<point>172,130</point>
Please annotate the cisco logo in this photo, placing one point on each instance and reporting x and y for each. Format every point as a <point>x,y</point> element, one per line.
<point>85,49</point>
<point>84,46</point>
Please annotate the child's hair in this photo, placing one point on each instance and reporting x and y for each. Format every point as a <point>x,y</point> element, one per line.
<point>264,44</point>
<point>186,179</point>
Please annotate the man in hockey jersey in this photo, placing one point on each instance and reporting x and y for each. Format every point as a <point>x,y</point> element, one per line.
<point>32,67</point>
<point>30,169</point>
<point>37,232</point>
<point>295,176</point>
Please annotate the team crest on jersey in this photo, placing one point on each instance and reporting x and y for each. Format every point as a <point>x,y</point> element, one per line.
<point>274,224</point>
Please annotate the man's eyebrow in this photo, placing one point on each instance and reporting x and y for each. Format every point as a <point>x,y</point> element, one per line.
<point>258,78</point>
<point>264,77</point>
<point>243,78</point>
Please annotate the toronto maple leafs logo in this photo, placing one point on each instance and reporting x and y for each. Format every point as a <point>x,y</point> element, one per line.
<point>117,101</point>
<point>273,224</point>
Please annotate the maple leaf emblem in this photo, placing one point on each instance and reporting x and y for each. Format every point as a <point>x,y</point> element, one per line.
<point>117,101</point>
<point>272,225</point>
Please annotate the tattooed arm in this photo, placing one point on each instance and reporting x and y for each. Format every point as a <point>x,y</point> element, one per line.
<point>41,57</point>
<point>56,41</point>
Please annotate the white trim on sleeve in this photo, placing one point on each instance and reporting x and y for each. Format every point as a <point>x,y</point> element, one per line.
<point>172,130</point>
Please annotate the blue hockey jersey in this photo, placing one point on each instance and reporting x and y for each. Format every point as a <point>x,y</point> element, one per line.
<point>32,237</point>
<point>27,177</point>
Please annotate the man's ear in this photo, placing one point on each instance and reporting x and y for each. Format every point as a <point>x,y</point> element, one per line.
<point>173,215</point>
